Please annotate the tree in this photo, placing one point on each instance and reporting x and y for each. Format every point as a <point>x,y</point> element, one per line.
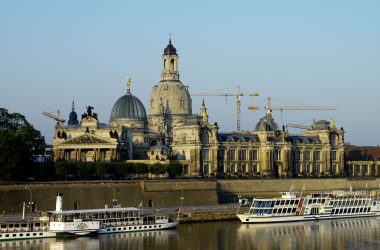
<point>158,168</point>
<point>18,142</point>
<point>175,169</point>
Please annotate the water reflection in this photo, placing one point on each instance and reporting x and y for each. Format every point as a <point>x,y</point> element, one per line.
<point>332,234</point>
<point>337,234</point>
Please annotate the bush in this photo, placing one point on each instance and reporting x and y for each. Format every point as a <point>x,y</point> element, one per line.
<point>158,168</point>
<point>175,169</point>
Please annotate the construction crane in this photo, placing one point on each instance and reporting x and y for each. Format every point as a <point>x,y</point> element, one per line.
<point>57,117</point>
<point>282,108</point>
<point>291,125</point>
<point>238,95</point>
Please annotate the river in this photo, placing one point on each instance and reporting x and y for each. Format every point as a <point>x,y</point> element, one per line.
<point>335,234</point>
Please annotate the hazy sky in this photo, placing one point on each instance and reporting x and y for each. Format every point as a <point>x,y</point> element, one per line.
<point>299,52</point>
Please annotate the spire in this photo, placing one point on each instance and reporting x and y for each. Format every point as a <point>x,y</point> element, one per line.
<point>73,107</point>
<point>204,112</point>
<point>129,82</point>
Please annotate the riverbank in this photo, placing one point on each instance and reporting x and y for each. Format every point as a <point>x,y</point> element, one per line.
<point>162,193</point>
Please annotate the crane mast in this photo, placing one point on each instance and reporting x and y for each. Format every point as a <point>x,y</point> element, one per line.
<point>238,95</point>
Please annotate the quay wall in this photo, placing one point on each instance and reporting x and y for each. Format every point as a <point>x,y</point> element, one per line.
<point>161,193</point>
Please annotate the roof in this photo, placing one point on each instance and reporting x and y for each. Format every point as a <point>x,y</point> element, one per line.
<point>95,210</point>
<point>128,107</point>
<point>365,153</point>
<point>304,139</point>
<point>230,137</point>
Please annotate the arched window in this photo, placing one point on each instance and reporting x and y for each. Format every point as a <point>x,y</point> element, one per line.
<point>165,64</point>
<point>172,66</point>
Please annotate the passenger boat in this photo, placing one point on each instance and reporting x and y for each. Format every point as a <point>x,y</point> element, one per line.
<point>293,206</point>
<point>82,222</point>
<point>52,224</point>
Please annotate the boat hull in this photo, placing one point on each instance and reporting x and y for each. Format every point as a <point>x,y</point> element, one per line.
<point>26,235</point>
<point>136,228</point>
<point>251,219</point>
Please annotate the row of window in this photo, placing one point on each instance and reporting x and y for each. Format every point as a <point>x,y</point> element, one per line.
<point>21,235</point>
<point>351,210</point>
<point>349,203</point>
<point>134,228</point>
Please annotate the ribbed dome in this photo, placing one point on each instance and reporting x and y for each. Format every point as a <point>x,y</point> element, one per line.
<point>172,96</point>
<point>266,124</point>
<point>170,50</point>
<point>128,107</point>
<point>73,118</point>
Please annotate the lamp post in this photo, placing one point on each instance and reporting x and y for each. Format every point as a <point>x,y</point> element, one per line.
<point>114,200</point>
<point>31,198</point>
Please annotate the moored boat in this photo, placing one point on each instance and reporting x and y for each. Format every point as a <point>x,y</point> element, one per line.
<point>292,206</point>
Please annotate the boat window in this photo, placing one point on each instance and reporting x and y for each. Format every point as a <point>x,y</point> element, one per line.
<point>40,233</point>
<point>17,225</point>
<point>323,201</point>
<point>297,201</point>
<point>345,210</point>
<point>7,235</point>
<point>13,235</point>
<point>282,202</point>
<point>289,210</point>
<point>293,210</point>
<point>28,234</point>
<point>349,210</point>
<point>23,225</point>
<point>37,224</point>
<point>34,234</point>
<point>3,225</point>
<point>287,202</point>
<point>275,211</point>
<point>277,202</point>
<point>10,225</point>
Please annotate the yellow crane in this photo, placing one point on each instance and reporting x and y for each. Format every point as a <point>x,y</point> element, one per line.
<point>282,108</point>
<point>238,95</point>
<point>57,117</point>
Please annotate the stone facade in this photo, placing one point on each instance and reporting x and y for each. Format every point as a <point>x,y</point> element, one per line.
<point>171,131</point>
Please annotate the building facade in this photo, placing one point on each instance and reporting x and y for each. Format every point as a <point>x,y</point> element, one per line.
<point>172,132</point>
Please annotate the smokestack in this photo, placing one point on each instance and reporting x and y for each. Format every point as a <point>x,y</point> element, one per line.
<point>59,202</point>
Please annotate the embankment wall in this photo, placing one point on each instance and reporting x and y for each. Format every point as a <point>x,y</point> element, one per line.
<point>160,193</point>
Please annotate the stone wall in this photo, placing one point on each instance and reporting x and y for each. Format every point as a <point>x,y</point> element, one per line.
<point>161,193</point>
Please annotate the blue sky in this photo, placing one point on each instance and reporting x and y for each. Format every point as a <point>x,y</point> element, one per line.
<point>298,52</point>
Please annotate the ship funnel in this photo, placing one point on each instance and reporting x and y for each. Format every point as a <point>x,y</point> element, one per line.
<point>59,202</point>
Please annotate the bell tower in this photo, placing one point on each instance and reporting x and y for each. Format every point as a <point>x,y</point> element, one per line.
<point>170,63</point>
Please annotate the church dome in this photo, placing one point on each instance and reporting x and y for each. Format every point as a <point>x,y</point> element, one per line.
<point>128,107</point>
<point>172,97</point>
<point>170,50</point>
<point>73,117</point>
<point>266,123</point>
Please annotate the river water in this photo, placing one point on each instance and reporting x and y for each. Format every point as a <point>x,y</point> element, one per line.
<point>336,234</point>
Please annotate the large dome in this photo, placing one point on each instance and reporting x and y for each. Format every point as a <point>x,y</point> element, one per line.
<point>127,108</point>
<point>266,124</point>
<point>171,97</point>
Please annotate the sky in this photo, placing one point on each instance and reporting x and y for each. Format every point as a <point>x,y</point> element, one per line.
<point>297,52</point>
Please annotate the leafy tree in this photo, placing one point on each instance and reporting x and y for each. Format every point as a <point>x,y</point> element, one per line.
<point>158,168</point>
<point>175,169</point>
<point>18,142</point>
<point>141,168</point>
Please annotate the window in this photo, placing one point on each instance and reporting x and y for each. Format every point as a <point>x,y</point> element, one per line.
<point>333,155</point>
<point>232,154</point>
<point>205,154</point>
<point>307,155</point>
<point>253,155</point>
<point>243,155</point>
<point>277,155</point>
<point>317,155</point>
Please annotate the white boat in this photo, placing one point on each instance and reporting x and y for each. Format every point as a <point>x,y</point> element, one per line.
<point>52,224</point>
<point>316,206</point>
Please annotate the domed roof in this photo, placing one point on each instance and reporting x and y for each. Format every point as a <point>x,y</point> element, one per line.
<point>128,107</point>
<point>172,97</point>
<point>266,124</point>
<point>170,50</point>
<point>73,117</point>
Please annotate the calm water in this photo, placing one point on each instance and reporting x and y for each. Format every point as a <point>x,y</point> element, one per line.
<point>339,234</point>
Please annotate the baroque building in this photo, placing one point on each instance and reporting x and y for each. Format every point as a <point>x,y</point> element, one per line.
<point>171,132</point>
